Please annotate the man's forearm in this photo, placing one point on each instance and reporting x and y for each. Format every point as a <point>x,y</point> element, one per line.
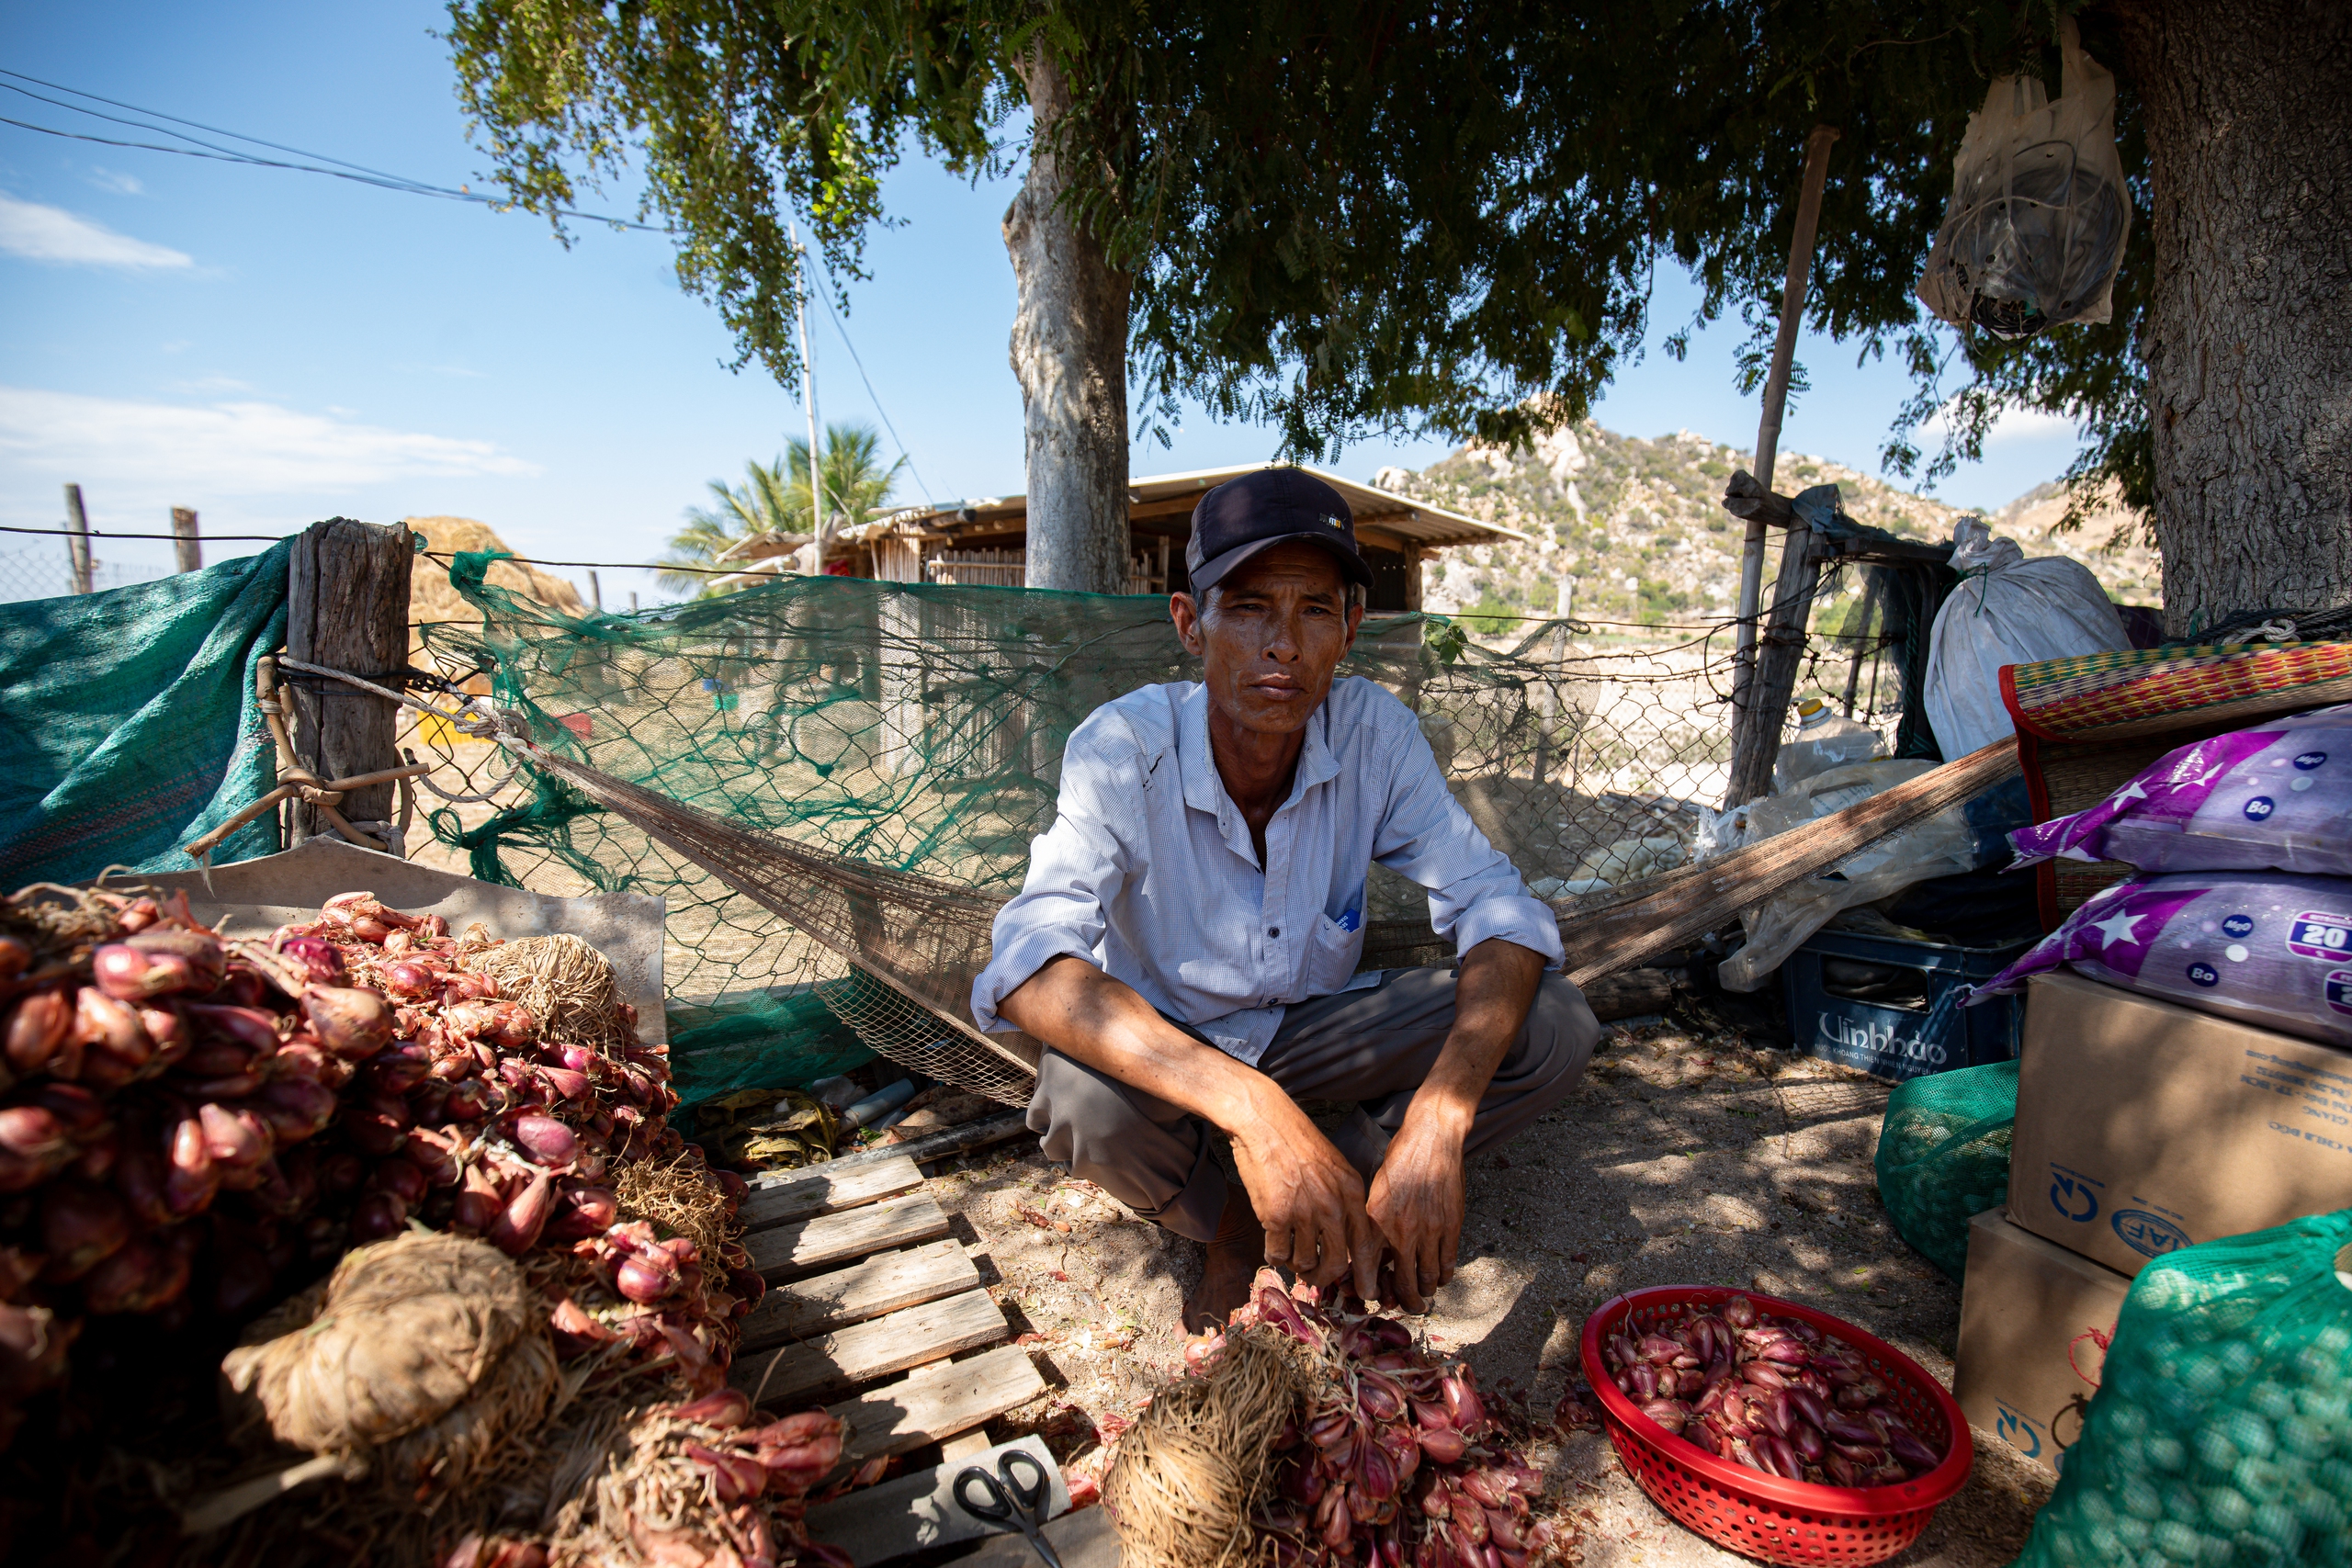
<point>1497,987</point>
<point>1102,1022</point>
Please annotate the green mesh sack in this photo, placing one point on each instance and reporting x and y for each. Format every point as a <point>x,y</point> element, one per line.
<point>2222,1433</point>
<point>1943,1156</point>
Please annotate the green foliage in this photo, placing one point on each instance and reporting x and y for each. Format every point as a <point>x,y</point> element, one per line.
<point>1491,616</point>
<point>738,117</point>
<point>1383,219</point>
<point>775,499</point>
<point>1411,219</point>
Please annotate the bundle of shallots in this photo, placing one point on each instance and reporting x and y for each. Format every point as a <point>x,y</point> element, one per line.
<point>161,1094</point>
<point>192,1126</point>
<point>1771,1392</point>
<point>527,1130</point>
<point>692,1484</point>
<point>1387,1454</point>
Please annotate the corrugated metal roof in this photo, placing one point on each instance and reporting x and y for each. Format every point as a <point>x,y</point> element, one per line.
<point>1377,512</point>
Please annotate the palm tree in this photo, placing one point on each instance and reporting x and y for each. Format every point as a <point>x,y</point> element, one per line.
<point>774,499</point>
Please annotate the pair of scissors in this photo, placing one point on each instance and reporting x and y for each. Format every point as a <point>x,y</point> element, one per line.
<point>1009,1498</point>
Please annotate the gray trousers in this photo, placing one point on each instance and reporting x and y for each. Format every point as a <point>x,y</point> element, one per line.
<point>1374,1046</point>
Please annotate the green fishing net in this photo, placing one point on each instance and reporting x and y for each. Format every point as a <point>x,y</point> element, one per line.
<point>2221,1432</point>
<point>129,721</point>
<point>1943,1156</point>
<point>917,730</point>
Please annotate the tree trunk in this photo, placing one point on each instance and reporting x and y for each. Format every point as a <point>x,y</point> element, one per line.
<point>2249,336</point>
<point>1069,352</point>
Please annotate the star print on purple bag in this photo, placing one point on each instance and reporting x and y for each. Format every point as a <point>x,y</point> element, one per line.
<point>2265,947</point>
<point>2274,798</point>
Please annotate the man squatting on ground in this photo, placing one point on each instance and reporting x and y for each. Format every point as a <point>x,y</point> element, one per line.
<point>1186,942</point>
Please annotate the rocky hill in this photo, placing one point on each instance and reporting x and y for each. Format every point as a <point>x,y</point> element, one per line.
<point>1639,528</point>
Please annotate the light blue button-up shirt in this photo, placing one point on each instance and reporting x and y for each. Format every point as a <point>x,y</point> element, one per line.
<point>1149,874</point>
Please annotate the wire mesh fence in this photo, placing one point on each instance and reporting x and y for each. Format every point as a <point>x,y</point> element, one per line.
<point>919,729</point>
<point>45,573</point>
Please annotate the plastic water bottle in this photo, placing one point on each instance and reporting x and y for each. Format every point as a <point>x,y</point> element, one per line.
<point>1823,740</point>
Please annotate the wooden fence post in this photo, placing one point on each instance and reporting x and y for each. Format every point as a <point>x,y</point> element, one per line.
<point>77,539</point>
<point>347,590</point>
<point>1756,740</point>
<point>185,539</point>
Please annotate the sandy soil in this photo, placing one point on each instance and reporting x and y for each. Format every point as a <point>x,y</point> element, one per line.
<point>1686,1156</point>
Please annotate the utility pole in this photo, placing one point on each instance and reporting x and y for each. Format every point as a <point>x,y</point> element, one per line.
<point>812,556</point>
<point>77,539</point>
<point>595,592</point>
<point>185,540</point>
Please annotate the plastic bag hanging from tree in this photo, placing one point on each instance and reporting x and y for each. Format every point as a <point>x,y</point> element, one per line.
<point>2039,210</point>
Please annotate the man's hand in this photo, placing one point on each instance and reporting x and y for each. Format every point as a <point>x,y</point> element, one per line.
<point>1309,1199</point>
<point>1417,1201</point>
<point>1307,1195</point>
<point>1416,1195</point>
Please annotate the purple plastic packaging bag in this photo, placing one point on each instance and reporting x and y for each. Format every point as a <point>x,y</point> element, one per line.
<point>2275,797</point>
<point>2263,947</point>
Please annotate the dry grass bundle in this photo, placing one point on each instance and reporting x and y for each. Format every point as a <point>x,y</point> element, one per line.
<point>567,984</point>
<point>681,1198</point>
<point>1198,1460</point>
<point>426,1352</point>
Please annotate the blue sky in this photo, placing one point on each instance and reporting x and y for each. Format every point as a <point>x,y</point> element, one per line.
<point>273,347</point>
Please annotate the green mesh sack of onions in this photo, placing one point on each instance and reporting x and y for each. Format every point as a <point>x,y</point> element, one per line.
<point>2221,1432</point>
<point>1316,1433</point>
<point>1943,1156</point>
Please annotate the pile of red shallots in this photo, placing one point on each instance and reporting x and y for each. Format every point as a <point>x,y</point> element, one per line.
<point>1392,1457</point>
<point>194,1126</point>
<point>1771,1393</point>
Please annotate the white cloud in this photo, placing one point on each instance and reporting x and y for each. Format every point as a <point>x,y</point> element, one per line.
<point>42,233</point>
<point>118,181</point>
<point>2015,426</point>
<point>178,453</point>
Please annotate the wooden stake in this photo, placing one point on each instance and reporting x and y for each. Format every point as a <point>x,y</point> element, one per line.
<point>1776,397</point>
<point>347,590</point>
<point>185,539</point>
<point>77,539</point>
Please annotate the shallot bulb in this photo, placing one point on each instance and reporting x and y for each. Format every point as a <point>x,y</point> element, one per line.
<point>547,1139</point>
<point>320,960</point>
<point>351,1022</point>
<point>37,1030</point>
<point>80,1225</point>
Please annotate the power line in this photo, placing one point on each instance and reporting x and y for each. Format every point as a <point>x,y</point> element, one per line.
<point>96,534</point>
<point>359,173</point>
<point>876,396</point>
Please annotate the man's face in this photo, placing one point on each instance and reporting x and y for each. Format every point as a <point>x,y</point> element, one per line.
<point>1272,635</point>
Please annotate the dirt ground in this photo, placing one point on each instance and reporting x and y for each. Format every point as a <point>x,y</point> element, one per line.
<point>1685,1157</point>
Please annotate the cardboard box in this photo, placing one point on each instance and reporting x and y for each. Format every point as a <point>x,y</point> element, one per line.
<point>2144,1126</point>
<point>2025,1306</point>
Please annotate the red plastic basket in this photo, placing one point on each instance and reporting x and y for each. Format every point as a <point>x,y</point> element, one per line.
<point>1762,1516</point>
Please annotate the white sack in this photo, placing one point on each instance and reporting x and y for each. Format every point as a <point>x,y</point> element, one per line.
<point>2007,610</point>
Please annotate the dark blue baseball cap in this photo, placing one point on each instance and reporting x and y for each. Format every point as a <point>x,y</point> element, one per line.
<point>1243,516</point>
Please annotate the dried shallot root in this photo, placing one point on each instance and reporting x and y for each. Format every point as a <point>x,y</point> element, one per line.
<point>696,1483</point>
<point>1391,1457</point>
<point>1771,1392</point>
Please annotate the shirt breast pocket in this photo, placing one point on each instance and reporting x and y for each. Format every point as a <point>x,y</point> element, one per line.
<point>1333,955</point>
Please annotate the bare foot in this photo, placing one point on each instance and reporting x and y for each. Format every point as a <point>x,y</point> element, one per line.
<point>1235,1257</point>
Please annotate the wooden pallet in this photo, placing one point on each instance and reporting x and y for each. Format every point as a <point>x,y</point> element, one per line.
<point>865,1284</point>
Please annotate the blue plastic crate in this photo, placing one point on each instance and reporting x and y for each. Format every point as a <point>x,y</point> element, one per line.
<point>1870,1001</point>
